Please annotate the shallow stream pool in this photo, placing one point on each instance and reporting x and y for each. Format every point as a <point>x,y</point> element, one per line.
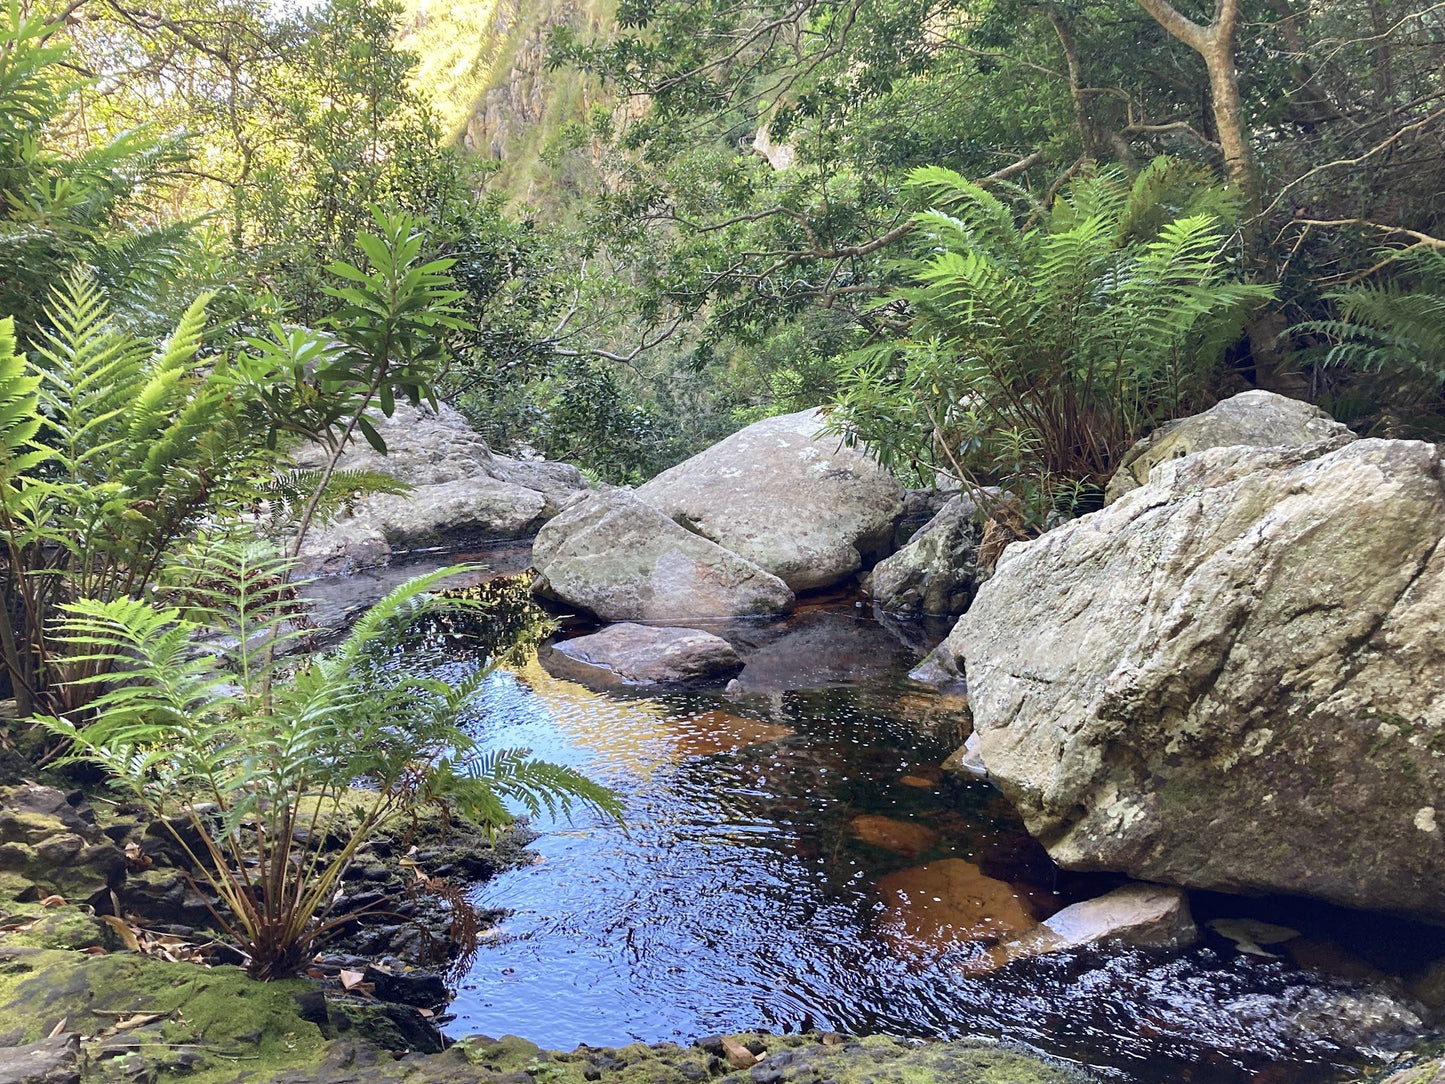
<point>794,859</point>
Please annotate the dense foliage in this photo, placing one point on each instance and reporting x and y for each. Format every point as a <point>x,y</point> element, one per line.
<point>1037,353</point>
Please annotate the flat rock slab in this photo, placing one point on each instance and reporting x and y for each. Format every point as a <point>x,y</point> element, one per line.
<point>622,560</point>
<point>50,1061</point>
<point>649,655</point>
<point>788,497</point>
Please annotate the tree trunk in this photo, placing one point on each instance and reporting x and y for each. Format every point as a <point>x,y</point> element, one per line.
<point>1215,43</point>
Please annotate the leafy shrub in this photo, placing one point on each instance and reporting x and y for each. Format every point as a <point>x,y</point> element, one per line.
<point>1393,332</point>
<point>260,760</point>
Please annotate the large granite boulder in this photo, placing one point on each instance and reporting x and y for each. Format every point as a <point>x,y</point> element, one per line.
<point>791,499</point>
<point>622,560</point>
<point>459,489</point>
<point>936,571</point>
<point>649,655</point>
<point>1232,678</point>
<point>1260,419</point>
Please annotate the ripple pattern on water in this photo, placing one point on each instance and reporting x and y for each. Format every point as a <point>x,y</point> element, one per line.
<point>743,895</point>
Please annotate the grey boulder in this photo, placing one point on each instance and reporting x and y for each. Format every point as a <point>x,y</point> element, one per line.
<point>459,489</point>
<point>936,571</point>
<point>1233,678</point>
<point>649,655</point>
<point>622,560</point>
<point>786,496</point>
<point>1260,419</point>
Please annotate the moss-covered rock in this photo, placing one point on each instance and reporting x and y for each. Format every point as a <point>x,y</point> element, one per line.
<point>145,1019</point>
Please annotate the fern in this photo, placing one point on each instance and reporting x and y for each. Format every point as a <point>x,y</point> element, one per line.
<point>343,742</point>
<point>1042,343</point>
<point>286,492</point>
<point>1395,328</point>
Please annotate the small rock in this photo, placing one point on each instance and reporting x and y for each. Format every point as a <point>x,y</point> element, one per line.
<point>1250,934</point>
<point>967,760</point>
<point>739,1056</point>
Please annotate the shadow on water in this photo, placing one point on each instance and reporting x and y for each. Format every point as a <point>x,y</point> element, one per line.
<point>795,859</point>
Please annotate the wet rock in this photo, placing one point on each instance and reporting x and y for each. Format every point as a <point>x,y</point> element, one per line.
<point>788,498</point>
<point>1250,935</point>
<point>460,488</point>
<point>935,572</point>
<point>1231,678</point>
<point>1139,916</point>
<point>50,1061</point>
<point>622,560</point>
<point>1136,915</point>
<point>901,837</point>
<point>647,655</point>
<point>939,670</point>
<point>1259,419</point>
<point>967,760</point>
<point>817,650</point>
<point>420,988</point>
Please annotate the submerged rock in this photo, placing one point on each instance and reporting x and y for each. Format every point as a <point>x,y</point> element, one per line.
<point>951,901</point>
<point>1232,678</point>
<point>787,497</point>
<point>1260,419</point>
<point>935,572</point>
<point>622,560</point>
<point>908,838</point>
<point>459,489</point>
<point>648,655</point>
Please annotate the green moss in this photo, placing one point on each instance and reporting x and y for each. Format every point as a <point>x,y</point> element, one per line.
<point>237,1021</point>
<point>66,929</point>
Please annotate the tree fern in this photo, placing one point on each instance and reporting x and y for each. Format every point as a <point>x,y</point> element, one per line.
<point>1041,344</point>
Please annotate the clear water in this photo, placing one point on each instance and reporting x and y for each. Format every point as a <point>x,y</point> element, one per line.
<point>794,859</point>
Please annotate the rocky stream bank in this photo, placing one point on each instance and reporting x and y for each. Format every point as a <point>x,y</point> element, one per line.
<point>1228,679</point>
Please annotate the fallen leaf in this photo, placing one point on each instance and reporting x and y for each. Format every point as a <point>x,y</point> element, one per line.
<point>124,932</point>
<point>139,1020</point>
<point>352,979</point>
<point>53,901</point>
<point>58,1028</point>
<point>426,1013</point>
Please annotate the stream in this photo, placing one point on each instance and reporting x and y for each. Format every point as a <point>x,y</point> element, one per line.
<point>794,858</point>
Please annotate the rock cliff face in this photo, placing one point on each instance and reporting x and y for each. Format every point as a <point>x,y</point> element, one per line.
<point>1231,678</point>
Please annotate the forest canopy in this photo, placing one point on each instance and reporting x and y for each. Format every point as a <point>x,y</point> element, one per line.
<point>727,212</point>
